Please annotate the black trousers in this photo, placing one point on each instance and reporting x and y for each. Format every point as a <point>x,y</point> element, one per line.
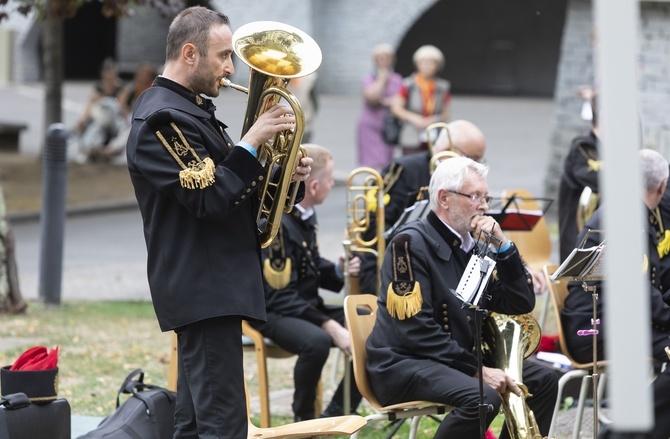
<point>211,400</point>
<point>443,384</point>
<point>312,345</point>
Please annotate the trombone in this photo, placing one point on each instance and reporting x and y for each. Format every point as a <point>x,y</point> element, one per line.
<point>436,158</point>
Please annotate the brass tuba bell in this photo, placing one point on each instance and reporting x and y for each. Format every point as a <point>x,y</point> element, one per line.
<point>507,341</point>
<point>275,53</point>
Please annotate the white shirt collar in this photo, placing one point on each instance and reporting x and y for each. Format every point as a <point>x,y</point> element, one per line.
<point>304,213</point>
<point>467,241</point>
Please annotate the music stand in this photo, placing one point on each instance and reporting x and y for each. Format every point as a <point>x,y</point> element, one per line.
<point>471,291</point>
<point>585,264</point>
<point>512,216</point>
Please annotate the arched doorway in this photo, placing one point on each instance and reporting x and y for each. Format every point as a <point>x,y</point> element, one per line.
<point>89,38</point>
<point>508,47</point>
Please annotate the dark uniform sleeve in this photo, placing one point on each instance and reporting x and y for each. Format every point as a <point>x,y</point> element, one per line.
<point>582,165</point>
<point>175,158</point>
<point>511,289</point>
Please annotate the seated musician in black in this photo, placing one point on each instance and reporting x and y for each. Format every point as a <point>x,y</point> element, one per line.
<point>298,319</point>
<point>578,309</point>
<point>423,344</point>
<point>405,176</point>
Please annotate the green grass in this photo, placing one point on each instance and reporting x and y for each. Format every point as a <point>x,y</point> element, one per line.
<point>102,342</point>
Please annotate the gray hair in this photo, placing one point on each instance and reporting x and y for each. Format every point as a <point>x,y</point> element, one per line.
<point>449,176</point>
<point>655,169</point>
<point>429,52</point>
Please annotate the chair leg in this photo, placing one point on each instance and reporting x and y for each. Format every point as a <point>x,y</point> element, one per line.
<point>565,378</point>
<point>173,369</point>
<point>263,388</point>
<point>414,427</point>
<point>580,406</point>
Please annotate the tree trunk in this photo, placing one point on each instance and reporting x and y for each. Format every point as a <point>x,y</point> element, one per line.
<point>10,294</point>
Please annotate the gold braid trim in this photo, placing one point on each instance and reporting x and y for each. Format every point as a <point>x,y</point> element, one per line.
<point>403,296</point>
<point>663,246</point>
<point>391,177</point>
<point>198,173</point>
<point>277,267</point>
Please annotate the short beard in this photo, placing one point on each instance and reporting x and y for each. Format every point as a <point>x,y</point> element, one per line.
<point>201,83</point>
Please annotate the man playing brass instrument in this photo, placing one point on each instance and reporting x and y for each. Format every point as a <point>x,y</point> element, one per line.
<point>422,346</point>
<point>197,192</point>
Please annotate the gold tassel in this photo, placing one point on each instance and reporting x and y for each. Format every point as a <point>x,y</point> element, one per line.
<point>664,245</point>
<point>277,279</point>
<point>198,175</point>
<point>406,305</point>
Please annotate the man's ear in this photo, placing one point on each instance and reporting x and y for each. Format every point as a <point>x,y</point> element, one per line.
<point>443,199</point>
<point>189,53</point>
<point>311,186</point>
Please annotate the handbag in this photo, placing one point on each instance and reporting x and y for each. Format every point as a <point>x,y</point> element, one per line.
<point>147,414</point>
<point>21,419</point>
<point>391,129</point>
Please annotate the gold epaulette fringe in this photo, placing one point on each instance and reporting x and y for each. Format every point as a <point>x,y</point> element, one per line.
<point>199,175</point>
<point>663,245</point>
<point>406,305</point>
<point>277,279</point>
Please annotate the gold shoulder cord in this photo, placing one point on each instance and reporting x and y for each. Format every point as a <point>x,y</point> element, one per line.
<point>592,161</point>
<point>663,245</point>
<point>198,173</point>
<point>403,296</point>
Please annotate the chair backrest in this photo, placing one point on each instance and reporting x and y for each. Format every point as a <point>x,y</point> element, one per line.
<point>360,311</point>
<point>534,245</point>
<point>558,291</point>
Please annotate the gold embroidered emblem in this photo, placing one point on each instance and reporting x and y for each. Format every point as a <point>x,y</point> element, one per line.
<point>199,173</point>
<point>198,100</point>
<point>403,295</point>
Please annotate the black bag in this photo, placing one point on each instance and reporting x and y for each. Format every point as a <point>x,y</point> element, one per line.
<point>391,129</point>
<point>147,414</point>
<point>21,419</point>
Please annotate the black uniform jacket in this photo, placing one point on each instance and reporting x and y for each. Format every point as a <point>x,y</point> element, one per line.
<point>442,331</point>
<point>578,309</point>
<point>577,174</point>
<point>203,248</point>
<point>300,298</point>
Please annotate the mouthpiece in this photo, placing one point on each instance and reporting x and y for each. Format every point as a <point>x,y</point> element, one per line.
<point>225,83</point>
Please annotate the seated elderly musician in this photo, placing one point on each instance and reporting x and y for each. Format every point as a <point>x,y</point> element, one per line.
<point>423,344</point>
<point>578,310</point>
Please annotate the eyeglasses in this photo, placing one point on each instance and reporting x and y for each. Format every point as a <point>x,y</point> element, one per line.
<point>475,198</point>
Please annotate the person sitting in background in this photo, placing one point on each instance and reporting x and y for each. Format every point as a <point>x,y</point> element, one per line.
<point>379,87</point>
<point>578,309</point>
<point>293,271</point>
<point>144,76</point>
<point>101,119</point>
<point>422,344</point>
<point>423,99</point>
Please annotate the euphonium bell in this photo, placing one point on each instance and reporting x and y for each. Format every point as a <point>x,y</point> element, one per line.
<point>275,53</point>
<point>507,341</point>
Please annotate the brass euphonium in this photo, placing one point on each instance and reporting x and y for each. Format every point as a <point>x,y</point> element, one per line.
<point>365,195</point>
<point>275,53</point>
<point>588,203</point>
<point>507,341</point>
<point>436,158</point>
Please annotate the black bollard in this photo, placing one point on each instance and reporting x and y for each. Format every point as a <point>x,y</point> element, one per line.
<point>52,220</point>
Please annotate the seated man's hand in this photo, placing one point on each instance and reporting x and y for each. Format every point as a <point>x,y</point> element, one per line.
<point>539,281</point>
<point>500,381</point>
<point>338,334</point>
<point>354,265</point>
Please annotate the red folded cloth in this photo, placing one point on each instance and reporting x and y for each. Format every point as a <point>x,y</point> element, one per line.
<point>37,358</point>
<point>548,343</point>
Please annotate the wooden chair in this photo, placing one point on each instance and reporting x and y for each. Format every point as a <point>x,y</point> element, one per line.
<point>534,245</point>
<point>360,312</point>
<point>252,341</point>
<point>558,291</point>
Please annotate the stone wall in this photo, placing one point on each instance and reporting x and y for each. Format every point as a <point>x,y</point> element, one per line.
<point>576,68</point>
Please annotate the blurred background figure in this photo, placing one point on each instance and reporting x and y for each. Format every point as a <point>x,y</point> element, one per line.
<point>422,100</point>
<point>304,89</point>
<point>101,119</point>
<point>144,76</point>
<point>379,87</point>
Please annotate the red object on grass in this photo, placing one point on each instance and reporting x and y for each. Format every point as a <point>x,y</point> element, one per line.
<point>490,435</point>
<point>548,343</point>
<point>37,358</point>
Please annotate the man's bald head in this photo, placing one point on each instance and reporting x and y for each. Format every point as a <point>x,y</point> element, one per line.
<point>462,137</point>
